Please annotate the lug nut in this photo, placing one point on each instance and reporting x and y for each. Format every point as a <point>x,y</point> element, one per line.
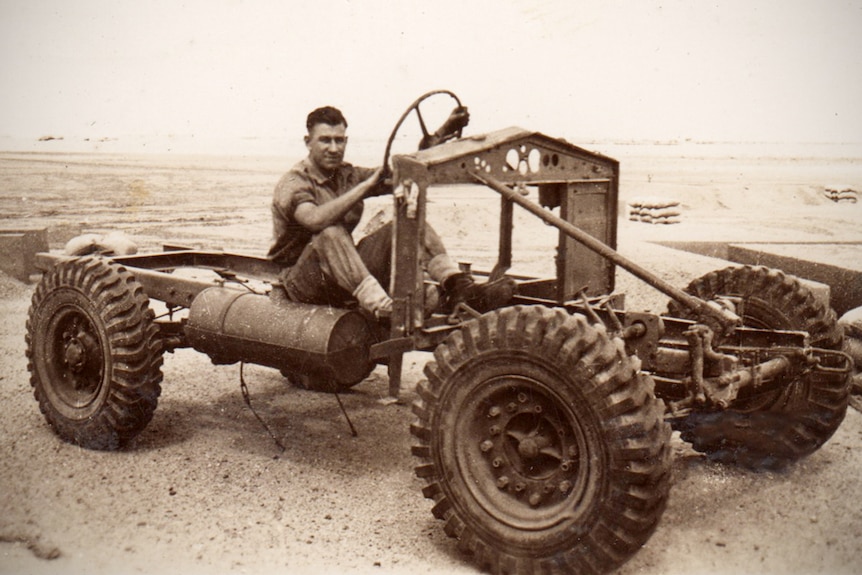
<point>512,407</point>
<point>494,411</point>
<point>486,446</point>
<point>535,499</point>
<point>494,430</point>
<point>502,482</point>
<point>565,486</point>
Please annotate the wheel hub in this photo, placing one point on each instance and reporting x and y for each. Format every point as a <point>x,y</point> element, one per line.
<point>74,355</point>
<point>528,445</point>
<point>78,357</point>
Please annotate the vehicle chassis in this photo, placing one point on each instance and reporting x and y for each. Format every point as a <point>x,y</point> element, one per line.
<point>680,353</point>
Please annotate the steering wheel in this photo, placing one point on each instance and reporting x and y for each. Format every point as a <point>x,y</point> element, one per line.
<point>411,108</point>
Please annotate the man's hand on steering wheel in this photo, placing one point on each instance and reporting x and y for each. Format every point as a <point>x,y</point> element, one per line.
<point>378,184</point>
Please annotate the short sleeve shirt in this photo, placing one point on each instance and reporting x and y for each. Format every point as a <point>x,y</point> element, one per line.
<point>306,183</point>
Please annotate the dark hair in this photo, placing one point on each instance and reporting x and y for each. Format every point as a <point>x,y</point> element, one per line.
<point>325,115</point>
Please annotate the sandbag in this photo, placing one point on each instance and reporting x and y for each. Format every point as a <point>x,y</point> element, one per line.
<point>111,244</point>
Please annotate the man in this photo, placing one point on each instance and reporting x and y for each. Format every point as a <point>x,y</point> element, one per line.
<point>318,203</point>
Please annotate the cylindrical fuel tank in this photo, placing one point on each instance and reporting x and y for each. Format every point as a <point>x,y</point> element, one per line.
<point>320,341</point>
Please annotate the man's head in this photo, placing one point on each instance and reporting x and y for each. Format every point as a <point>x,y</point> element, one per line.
<point>326,139</point>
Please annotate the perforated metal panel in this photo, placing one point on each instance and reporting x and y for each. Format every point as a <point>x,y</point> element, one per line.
<point>511,155</point>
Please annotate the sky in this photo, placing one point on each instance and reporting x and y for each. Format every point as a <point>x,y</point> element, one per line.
<point>224,72</point>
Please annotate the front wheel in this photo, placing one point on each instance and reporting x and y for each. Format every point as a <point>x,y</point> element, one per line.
<point>774,427</point>
<point>93,353</point>
<point>542,445</point>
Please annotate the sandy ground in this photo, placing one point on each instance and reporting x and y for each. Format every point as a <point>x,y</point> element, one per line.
<point>205,490</point>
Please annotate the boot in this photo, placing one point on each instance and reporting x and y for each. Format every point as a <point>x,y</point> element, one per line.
<point>432,299</point>
<point>373,298</point>
<point>462,288</point>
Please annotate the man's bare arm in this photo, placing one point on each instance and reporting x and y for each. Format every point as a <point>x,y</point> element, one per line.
<point>316,218</point>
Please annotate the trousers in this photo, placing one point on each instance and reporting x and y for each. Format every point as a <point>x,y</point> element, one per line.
<point>331,267</point>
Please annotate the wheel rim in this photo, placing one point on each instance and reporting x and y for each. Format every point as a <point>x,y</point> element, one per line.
<point>528,462</point>
<point>74,360</point>
<point>761,315</point>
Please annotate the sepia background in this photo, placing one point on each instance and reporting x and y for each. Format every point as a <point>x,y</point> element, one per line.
<point>172,121</point>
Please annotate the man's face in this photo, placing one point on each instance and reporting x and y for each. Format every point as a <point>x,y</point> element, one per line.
<point>326,145</point>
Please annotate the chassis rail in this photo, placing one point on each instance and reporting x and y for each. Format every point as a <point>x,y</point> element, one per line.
<point>153,271</point>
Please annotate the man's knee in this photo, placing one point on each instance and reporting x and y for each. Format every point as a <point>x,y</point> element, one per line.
<point>335,249</point>
<point>338,258</point>
<point>331,236</point>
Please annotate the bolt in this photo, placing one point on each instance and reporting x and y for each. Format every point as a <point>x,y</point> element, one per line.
<point>520,486</point>
<point>566,465</point>
<point>535,499</point>
<point>502,482</point>
<point>538,409</point>
<point>494,430</point>
<point>512,408</point>
<point>565,486</point>
<point>494,411</point>
<point>522,397</point>
<point>497,462</point>
<point>548,488</point>
<point>486,446</point>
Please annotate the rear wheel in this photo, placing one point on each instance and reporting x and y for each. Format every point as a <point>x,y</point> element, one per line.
<point>851,325</point>
<point>93,353</point>
<point>771,428</point>
<point>542,445</point>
